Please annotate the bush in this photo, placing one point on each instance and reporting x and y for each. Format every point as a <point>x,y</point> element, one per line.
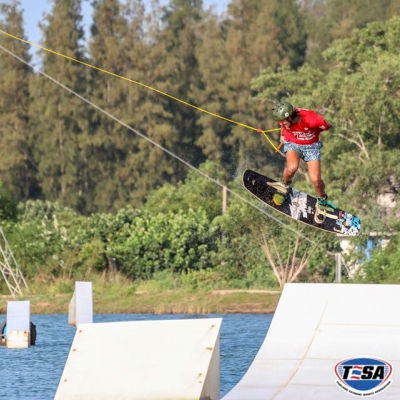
<point>204,279</point>
<point>175,242</point>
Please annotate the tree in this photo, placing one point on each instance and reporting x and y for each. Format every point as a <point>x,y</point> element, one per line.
<point>181,19</point>
<point>383,267</point>
<point>109,141</point>
<point>195,192</point>
<point>259,35</point>
<point>291,33</point>
<point>126,42</point>
<point>287,263</point>
<point>364,114</point>
<point>149,111</point>
<point>245,61</point>
<point>328,20</point>
<point>17,168</point>
<point>212,96</point>
<point>59,121</point>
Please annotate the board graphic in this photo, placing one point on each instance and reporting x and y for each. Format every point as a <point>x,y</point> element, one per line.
<point>302,207</point>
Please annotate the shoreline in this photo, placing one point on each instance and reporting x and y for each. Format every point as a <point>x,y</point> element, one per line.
<point>229,301</point>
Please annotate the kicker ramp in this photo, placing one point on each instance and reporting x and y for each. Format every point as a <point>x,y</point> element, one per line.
<point>314,327</point>
<point>173,359</point>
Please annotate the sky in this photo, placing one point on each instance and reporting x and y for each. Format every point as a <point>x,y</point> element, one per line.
<point>34,9</point>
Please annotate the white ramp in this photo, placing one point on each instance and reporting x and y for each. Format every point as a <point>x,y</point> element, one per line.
<point>81,304</point>
<point>316,326</point>
<point>18,324</point>
<point>173,359</point>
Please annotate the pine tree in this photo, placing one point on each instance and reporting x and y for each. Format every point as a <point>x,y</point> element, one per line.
<point>60,118</point>
<point>257,38</point>
<point>17,169</point>
<point>213,94</point>
<point>329,20</point>
<point>117,46</point>
<point>148,166</point>
<point>291,32</point>
<point>181,19</point>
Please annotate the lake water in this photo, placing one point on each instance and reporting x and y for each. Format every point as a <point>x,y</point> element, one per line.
<point>34,373</point>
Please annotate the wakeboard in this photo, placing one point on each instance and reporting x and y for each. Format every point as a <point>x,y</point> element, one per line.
<point>302,207</point>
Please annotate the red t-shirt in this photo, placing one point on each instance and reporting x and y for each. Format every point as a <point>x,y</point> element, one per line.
<point>307,131</point>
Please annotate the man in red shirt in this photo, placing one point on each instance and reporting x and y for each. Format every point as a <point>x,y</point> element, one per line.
<point>300,137</point>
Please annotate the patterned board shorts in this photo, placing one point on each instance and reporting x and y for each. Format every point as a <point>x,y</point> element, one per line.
<point>308,152</point>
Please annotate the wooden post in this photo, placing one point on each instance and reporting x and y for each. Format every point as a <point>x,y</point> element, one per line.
<point>224,199</point>
<point>338,259</point>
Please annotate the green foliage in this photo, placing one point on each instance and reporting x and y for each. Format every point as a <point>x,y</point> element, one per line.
<point>359,158</point>
<point>58,148</point>
<point>172,241</point>
<point>37,210</point>
<point>55,147</point>
<point>17,171</point>
<point>203,279</point>
<point>236,256</point>
<point>160,282</point>
<point>34,246</point>
<point>62,287</point>
<point>39,242</point>
<point>322,265</point>
<point>92,255</point>
<point>58,120</point>
<point>330,20</point>
<point>383,267</point>
<point>291,33</point>
<point>8,205</point>
<point>197,191</point>
<point>239,257</point>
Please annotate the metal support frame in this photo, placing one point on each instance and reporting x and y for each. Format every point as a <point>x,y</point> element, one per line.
<point>9,268</point>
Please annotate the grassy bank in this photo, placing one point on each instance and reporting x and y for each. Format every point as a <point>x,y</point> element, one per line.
<point>160,302</point>
<point>115,294</point>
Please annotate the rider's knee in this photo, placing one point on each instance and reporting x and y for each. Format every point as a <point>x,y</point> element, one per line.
<point>316,181</point>
<point>292,168</point>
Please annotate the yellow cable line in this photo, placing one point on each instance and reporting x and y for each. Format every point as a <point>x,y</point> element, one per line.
<point>147,87</point>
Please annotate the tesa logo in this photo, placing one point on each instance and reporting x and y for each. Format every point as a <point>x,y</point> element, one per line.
<point>363,375</point>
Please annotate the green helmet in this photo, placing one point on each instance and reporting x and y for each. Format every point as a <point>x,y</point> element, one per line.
<point>282,110</point>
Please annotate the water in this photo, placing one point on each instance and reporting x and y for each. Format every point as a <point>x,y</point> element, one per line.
<point>34,373</point>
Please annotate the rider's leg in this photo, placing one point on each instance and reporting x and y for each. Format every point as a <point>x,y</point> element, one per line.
<point>314,172</point>
<point>292,165</point>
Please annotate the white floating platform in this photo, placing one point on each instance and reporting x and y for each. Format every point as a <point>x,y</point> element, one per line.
<point>173,359</point>
<point>316,326</point>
